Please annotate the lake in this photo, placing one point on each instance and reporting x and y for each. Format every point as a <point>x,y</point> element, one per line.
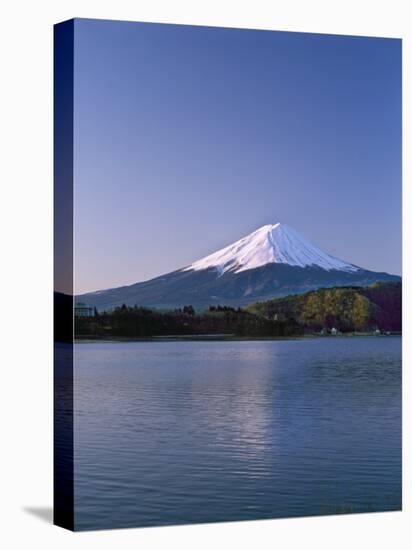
<point>186,432</point>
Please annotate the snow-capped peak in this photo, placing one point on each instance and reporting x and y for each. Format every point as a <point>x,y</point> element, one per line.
<point>279,244</point>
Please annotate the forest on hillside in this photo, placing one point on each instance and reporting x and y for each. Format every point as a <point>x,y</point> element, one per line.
<point>347,309</point>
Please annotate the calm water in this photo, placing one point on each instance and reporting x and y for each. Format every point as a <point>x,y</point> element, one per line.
<point>183,432</point>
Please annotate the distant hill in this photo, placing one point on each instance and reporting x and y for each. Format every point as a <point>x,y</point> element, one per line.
<point>345,308</point>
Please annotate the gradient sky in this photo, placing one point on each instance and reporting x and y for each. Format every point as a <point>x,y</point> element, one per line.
<point>188,138</point>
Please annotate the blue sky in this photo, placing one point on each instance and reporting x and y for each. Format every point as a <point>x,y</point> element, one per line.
<point>188,138</point>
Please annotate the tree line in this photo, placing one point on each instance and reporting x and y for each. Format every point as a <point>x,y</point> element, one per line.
<point>141,322</point>
<point>346,309</point>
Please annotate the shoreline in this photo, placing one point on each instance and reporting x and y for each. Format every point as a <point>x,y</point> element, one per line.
<point>229,338</point>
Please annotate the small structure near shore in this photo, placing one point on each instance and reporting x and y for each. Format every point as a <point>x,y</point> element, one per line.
<point>83,310</point>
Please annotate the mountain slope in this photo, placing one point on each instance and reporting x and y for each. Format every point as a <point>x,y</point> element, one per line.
<point>272,261</point>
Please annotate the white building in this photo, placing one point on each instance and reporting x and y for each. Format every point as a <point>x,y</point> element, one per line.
<point>83,310</point>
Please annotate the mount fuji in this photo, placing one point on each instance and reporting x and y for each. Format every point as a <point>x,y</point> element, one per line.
<point>275,260</point>
<point>270,244</point>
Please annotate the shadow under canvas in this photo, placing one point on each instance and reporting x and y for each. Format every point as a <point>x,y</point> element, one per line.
<point>43,513</point>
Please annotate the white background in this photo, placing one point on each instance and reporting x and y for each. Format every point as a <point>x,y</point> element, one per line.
<point>26,271</point>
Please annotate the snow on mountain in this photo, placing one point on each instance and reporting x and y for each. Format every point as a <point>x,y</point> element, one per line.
<point>278,244</point>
